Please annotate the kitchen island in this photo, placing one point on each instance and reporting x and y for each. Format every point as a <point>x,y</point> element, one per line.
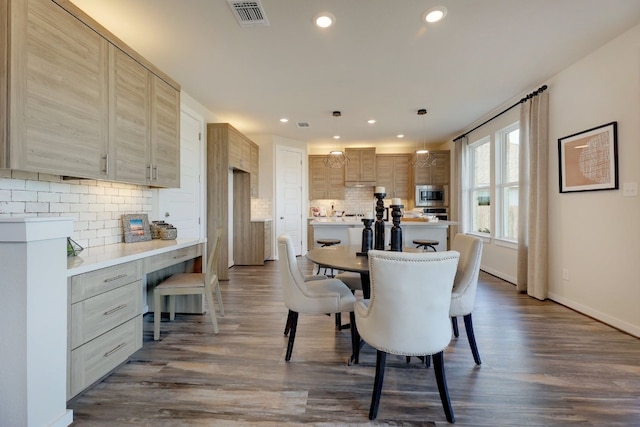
<point>336,228</point>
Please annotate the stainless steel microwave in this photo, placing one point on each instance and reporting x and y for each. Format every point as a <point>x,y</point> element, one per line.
<point>432,195</point>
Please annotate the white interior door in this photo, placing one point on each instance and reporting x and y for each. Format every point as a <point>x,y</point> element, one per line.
<point>182,206</point>
<point>289,194</point>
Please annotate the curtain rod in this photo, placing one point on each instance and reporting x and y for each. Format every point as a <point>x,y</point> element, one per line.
<point>526,98</point>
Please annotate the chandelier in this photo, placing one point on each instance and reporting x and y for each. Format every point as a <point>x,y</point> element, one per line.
<point>336,158</point>
<point>422,158</point>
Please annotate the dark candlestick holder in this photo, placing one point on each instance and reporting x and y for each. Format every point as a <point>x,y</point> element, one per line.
<point>396,230</point>
<point>367,237</point>
<point>379,226</point>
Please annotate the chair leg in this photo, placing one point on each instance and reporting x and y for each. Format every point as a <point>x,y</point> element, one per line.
<point>468,324</point>
<point>172,308</point>
<point>157,312</point>
<point>381,360</point>
<point>292,334</point>
<point>438,366</point>
<point>287,326</point>
<point>216,287</point>
<point>454,325</point>
<point>212,310</point>
<point>355,339</point>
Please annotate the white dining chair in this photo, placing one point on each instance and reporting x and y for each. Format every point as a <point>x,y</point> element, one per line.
<point>324,296</point>
<point>408,312</point>
<point>465,286</point>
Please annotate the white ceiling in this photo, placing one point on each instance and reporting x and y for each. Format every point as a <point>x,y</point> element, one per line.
<point>378,61</point>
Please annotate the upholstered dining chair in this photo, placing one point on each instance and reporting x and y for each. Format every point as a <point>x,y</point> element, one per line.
<point>191,284</point>
<point>349,278</point>
<point>408,313</point>
<point>465,285</point>
<point>323,296</point>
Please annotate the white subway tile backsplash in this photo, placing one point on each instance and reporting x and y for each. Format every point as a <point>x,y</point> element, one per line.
<point>96,206</point>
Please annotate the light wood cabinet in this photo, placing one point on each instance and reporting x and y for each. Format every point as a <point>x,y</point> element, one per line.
<point>325,182</point>
<point>224,152</point>
<point>361,169</point>
<point>79,102</point>
<point>105,322</point>
<point>436,174</point>
<point>57,91</point>
<point>393,172</point>
<point>259,248</point>
<point>255,170</point>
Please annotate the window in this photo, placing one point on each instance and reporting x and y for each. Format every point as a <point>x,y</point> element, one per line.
<point>480,186</point>
<point>508,140</point>
<point>493,183</point>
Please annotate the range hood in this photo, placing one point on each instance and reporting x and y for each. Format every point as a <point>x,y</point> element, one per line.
<point>359,183</point>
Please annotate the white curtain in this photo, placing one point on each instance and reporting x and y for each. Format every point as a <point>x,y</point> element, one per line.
<point>532,216</point>
<point>462,173</point>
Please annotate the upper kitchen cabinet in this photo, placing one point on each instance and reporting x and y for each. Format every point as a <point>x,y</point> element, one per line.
<point>393,172</point>
<point>325,182</point>
<point>361,169</point>
<point>436,174</point>
<point>55,95</point>
<point>82,103</point>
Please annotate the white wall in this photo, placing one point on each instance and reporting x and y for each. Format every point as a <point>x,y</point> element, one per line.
<point>596,235</point>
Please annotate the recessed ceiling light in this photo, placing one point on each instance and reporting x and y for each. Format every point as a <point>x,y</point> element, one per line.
<point>324,20</point>
<point>371,121</point>
<point>399,135</point>
<point>336,136</point>
<point>435,14</point>
<point>284,120</point>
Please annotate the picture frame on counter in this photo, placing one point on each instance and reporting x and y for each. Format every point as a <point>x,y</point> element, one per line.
<point>136,228</point>
<point>588,160</point>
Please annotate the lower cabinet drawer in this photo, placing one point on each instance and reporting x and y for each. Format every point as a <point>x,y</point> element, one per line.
<point>157,262</point>
<point>97,358</point>
<point>95,316</point>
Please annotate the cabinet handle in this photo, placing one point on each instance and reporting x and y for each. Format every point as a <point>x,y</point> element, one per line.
<point>105,170</point>
<point>155,169</point>
<point>113,310</point>
<point>120,276</point>
<point>116,348</point>
<point>179,256</point>
<point>149,176</point>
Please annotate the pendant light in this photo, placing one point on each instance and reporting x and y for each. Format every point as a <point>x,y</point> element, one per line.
<point>422,157</point>
<point>336,158</point>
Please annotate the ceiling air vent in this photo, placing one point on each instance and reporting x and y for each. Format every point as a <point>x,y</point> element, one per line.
<point>248,13</point>
<point>302,124</point>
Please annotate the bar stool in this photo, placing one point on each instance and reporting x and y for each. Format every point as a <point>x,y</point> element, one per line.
<point>426,243</point>
<point>323,243</point>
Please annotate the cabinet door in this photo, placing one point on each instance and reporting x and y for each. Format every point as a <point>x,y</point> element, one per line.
<point>58,92</point>
<point>129,123</point>
<point>235,148</point>
<point>436,174</point>
<point>335,183</point>
<point>317,178</point>
<point>165,135</point>
<point>385,172</point>
<point>402,176</point>
<point>368,164</point>
<point>352,169</point>
<point>255,170</point>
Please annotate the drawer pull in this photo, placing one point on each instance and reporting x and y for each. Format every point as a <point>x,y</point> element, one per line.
<point>179,256</point>
<point>113,310</point>
<point>113,350</point>
<point>120,276</point>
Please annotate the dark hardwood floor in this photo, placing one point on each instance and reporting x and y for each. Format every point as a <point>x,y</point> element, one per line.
<point>542,365</point>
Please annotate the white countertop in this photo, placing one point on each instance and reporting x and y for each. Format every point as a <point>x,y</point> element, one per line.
<point>260,219</point>
<point>106,256</point>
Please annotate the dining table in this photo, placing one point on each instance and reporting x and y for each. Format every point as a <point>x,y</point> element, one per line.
<point>347,258</point>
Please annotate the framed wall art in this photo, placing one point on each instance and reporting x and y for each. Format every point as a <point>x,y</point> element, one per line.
<point>589,159</point>
<point>136,228</point>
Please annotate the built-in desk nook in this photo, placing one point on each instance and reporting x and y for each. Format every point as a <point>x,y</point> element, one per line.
<point>107,288</point>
